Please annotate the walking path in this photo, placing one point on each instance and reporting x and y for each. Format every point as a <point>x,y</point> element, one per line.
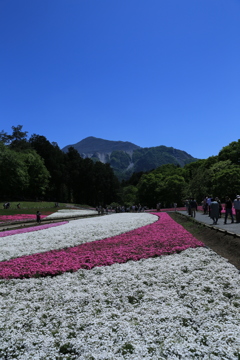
<point>205,219</point>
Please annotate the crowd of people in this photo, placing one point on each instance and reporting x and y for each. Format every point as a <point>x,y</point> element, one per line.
<point>213,207</point>
<point>119,209</point>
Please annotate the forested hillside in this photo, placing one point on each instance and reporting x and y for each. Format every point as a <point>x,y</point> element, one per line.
<point>127,158</point>
<point>215,176</point>
<point>33,168</point>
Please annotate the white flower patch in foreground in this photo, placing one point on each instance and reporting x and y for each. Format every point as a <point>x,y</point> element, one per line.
<point>74,233</point>
<point>183,306</point>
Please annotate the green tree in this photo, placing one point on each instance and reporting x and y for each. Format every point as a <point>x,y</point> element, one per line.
<point>55,162</point>
<point>147,189</point>
<point>38,175</point>
<point>169,170</point>
<point>14,177</point>
<point>130,195</point>
<point>199,185</point>
<point>172,190</point>
<point>74,170</point>
<point>198,178</point>
<point>104,184</point>
<point>225,179</point>
<point>19,139</point>
<point>231,152</point>
<point>4,137</point>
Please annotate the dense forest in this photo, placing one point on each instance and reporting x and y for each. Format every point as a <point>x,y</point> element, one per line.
<point>33,168</point>
<point>36,169</point>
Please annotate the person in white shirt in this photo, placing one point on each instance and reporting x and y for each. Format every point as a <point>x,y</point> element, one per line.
<point>209,200</point>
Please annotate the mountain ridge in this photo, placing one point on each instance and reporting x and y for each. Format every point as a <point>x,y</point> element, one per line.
<point>126,158</point>
<point>92,144</point>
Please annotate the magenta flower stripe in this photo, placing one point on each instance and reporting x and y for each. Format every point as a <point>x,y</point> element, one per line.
<point>30,229</point>
<point>163,237</point>
<point>19,217</point>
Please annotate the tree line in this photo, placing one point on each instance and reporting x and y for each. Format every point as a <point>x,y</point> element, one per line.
<point>215,176</point>
<point>34,168</point>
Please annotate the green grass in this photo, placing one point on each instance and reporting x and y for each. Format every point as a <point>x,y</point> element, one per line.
<point>27,207</point>
<point>31,207</point>
<point>196,229</point>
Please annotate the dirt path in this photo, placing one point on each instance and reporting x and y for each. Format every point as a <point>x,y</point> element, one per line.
<point>225,245</point>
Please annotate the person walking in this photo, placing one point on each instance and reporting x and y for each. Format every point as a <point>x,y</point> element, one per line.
<point>214,211</point>
<point>205,206</point>
<point>38,217</point>
<point>228,209</point>
<point>209,200</point>
<point>236,204</point>
<point>193,205</point>
<point>220,206</point>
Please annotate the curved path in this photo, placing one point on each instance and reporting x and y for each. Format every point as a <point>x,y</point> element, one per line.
<point>205,219</point>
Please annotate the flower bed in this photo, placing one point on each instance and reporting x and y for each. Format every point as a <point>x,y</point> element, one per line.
<point>162,237</point>
<point>19,217</point>
<point>71,213</point>
<point>72,234</point>
<point>30,229</point>
<point>181,306</point>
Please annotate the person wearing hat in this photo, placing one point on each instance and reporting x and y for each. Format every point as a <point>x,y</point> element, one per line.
<point>236,204</point>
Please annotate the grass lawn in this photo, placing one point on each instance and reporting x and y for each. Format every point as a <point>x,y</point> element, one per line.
<point>31,207</point>
<point>27,207</point>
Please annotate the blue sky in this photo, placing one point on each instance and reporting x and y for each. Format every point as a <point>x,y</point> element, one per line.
<point>151,72</point>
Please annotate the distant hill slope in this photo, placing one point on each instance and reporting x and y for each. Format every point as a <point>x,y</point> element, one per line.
<point>92,144</point>
<point>126,158</point>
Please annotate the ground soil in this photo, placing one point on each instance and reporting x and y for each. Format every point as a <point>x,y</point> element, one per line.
<point>225,245</point>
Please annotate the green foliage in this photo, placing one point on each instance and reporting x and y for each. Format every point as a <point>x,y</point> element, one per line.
<point>164,185</point>
<point>127,348</point>
<point>199,185</point>
<point>30,207</point>
<point>172,190</point>
<point>152,158</point>
<point>225,180</point>
<point>36,168</point>
<point>130,195</point>
<point>212,177</point>
<point>39,169</point>
<point>37,173</point>
<point>134,179</point>
<point>147,159</point>
<point>198,178</point>
<point>14,177</point>
<point>23,174</point>
<point>231,152</point>
<point>54,160</point>
<point>148,189</point>
<point>169,170</point>
<point>4,137</point>
<point>119,160</point>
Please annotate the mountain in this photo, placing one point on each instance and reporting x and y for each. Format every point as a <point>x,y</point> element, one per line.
<point>95,148</point>
<point>126,158</point>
